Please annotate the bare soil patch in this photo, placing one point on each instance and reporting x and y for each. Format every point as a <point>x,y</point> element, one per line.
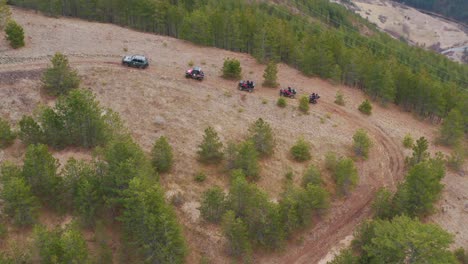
<point>186,107</point>
<point>416,27</point>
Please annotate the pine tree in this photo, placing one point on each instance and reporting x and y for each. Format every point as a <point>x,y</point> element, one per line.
<point>312,176</point>
<point>261,135</point>
<point>60,78</point>
<point>19,202</point>
<point>213,204</point>
<point>40,171</point>
<point>382,205</point>
<point>362,143</point>
<point>247,160</point>
<point>151,225</point>
<point>210,150</point>
<point>420,152</point>
<point>339,98</point>
<point>451,131</point>
<point>304,104</point>
<point>6,135</point>
<point>232,69</point>
<point>15,34</point>
<point>30,131</point>
<point>345,175</point>
<point>237,236</point>
<point>407,240</point>
<point>162,155</point>
<point>270,75</point>
<point>5,14</point>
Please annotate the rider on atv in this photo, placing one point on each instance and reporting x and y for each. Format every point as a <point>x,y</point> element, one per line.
<point>313,98</point>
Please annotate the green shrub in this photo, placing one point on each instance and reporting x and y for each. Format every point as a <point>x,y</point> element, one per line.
<point>408,141</point>
<point>161,155</point>
<point>60,78</point>
<point>232,69</point>
<point>210,150</point>
<point>362,143</point>
<point>270,75</point>
<point>15,34</point>
<point>213,204</point>
<point>366,107</point>
<point>461,256</point>
<point>281,102</point>
<point>200,176</point>
<point>304,104</point>
<point>301,150</point>
<point>339,98</point>
<point>6,135</point>
<point>312,176</point>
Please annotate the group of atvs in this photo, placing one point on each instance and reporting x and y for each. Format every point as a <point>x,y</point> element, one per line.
<point>249,86</point>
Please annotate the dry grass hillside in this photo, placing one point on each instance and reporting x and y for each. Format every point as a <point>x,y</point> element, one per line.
<point>160,101</point>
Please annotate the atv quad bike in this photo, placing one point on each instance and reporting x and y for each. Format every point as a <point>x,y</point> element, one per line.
<point>246,86</point>
<point>195,73</point>
<point>288,93</point>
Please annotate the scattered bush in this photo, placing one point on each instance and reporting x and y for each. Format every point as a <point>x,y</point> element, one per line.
<point>200,176</point>
<point>362,143</point>
<point>408,141</point>
<point>281,102</point>
<point>232,69</point>
<point>301,150</point>
<point>312,176</point>
<point>339,98</point>
<point>5,14</point>
<point>270,75</point>
<point>304,104</point>
<point>161,155</point>
<point>14,34</point>
<point>213,204</point>
<point>210,148</point>
<point>60,78</point>
<point>6,135</point>
<point>261,134</point>
<point>366,107</point>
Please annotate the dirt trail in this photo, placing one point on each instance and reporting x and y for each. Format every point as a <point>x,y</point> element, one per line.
<point>186,107</point>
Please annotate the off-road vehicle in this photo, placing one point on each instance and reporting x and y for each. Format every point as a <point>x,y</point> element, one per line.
<point>195,73</point>
<point>137,61</point>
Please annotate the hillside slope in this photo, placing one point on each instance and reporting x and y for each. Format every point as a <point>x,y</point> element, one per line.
<point>417,28</point>
<point>160,101</point>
